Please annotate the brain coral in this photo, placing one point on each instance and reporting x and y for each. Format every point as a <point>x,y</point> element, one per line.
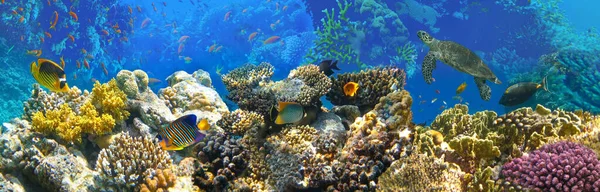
<point>373,84</point>
<point>562,166</point>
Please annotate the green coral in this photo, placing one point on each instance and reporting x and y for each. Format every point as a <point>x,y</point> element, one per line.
<point>474,148</point>
<point>338,38</point>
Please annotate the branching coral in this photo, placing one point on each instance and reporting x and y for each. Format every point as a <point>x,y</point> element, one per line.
<point>239,121</point>
<point>563,166</point>
<point>161,180</point>
<point>109,99</point>
<point>373,84</point>
<point>124,162</point>
<point>420,173</point>
<point>42,101</point>
<point>316,84</point>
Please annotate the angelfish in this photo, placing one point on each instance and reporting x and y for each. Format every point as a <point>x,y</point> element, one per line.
<point>521,92</point>
<point>287,112</point>
<point>185,131</point>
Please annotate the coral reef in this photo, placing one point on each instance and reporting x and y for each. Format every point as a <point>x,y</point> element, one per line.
<point>316,84</point>
<point>162,180</point>
<point>123,163</point>
<point>224,157</point>
<point>40,100</point>
<point>241,83</point>
<point>239,121</point>
<point>556,167</point>
<point>420,173</point>
<point>373,84</point>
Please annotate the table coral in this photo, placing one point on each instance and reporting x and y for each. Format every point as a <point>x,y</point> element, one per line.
<point>124,162</point>
<point>420,173</point>
<point>373,84</point>
<point>239,121</point>
<point>562,166</point>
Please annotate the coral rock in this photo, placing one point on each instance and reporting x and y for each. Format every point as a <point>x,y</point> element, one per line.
<point>420,173</point>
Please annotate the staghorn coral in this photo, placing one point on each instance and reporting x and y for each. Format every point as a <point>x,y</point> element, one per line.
<point>239,121</point>
<point>223,156</point>
<point>316,84</point>
<point>373,84</point>
<point>42,101</point>
<point>109,99</point>
<point>159,181</point>
<point>420,173</point>
<point>123,163</point>
<point>562,166</point>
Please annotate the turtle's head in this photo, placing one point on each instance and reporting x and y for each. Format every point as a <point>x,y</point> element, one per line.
<point>424,36</point>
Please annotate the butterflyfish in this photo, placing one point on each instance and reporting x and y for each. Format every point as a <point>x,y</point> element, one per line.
<point>350,89</point>
<point>50,75</point>
<point>183,132</point>
<point>287,112</point>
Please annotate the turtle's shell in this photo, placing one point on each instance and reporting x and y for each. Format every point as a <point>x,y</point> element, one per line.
<point>461,58</point>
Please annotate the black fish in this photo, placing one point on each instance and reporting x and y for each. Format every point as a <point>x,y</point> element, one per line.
<point>521,92</point>
<point>326,67</point>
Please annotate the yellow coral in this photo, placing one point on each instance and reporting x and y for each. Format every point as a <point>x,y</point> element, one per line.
<point>69,126</point>
<point>162,181</point>
<point>109,99</point>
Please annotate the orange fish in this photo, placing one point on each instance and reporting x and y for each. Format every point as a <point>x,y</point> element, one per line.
<point>20,9</point>
<point>41,39</point>
<point>212,48</point>
<point>62,62</point>
<point>72,38</point>
<point>74,15</point>
<point>183,39</point>
<point>145,22</point>
<point>129,9</point>
<point>285,7</point>
<point>89,56</point>
<point>49,3</point>
<point>271,39</point>
<point>48,35</point>
<point>252,36</point>
<point>104,68</point>
<point>86,64</point>
<point>180,48</point>
<point>83,51</point>
<point>154,7</point>
<point>273,26</point>
<point>219,48</point>
<point>227,15</point>
<point>139,9</point>
<point>245,10</point>
<point>118,31</point>
<point>14,12</point>
<point>78,64</point>
<point>37,53</point>
<point>53,24</point>
<point>21,19</point>
<point>2,1</point>
<point>104,32</point>
<point>124,39</point>
<point>437,91</point>
<point>350,89</point>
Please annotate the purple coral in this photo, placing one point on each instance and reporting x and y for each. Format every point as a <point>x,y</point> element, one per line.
<point>562,166</point>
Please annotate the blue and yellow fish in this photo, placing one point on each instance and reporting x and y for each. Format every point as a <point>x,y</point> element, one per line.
<point>185,131</point>
<point>50,75</point>
<point>287,112</point>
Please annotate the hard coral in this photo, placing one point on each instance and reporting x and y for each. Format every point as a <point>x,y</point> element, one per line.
<point>40,100</point>
<point>295,140</point>
<point>160,181</point>
<point>239,121</point>
<point>223,156</point>
<point>246,77</point>
<point>562,166</point>
<point>316,84</point>
<point>394,109</point>
<point>420,173</point>
<point>109,99</point>
<point>124,162</point>
<point>373,84</point>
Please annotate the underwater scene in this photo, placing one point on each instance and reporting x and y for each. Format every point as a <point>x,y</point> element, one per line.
<point>299,95</point>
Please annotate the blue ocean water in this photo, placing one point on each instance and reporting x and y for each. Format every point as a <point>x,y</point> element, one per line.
<point>502,28</point>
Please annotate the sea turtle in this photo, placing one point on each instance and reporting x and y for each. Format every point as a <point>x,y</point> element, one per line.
<point>459,58</point>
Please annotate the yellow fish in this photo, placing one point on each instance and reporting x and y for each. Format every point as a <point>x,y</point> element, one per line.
<point>461,88</point>
<point>350,89</point>
<point>287,112</point>
<point>50,75</point>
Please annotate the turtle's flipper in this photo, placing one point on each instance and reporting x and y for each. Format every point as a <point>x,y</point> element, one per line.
<point>428,67</point>
<point>485,92</point>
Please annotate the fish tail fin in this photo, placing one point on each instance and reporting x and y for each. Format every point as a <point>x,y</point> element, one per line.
<point>334,66</point>
<point>545,84</point>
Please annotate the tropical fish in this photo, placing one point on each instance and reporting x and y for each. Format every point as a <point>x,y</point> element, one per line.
<point>271,39</point>
<point>50,75</point>
<point>145,22</point>
<point>62,62</point>
<point>71,38</point>
<point>327,66</point>
<point>53,24</point>
<point>287,112</point>
<point>48,34</point>
<point>461,88</point>
<point>350,89</point>
<point>180,48</point>
<point>153,81</point>
<point>252,36</point>
<point>37,53</point>
<point>187,60</point>
<point>74,15</point>
<point>129,10</point>
<point>227,15</point>
<point>521,92</point>
<point>185,131</point>
<point>183,39</point>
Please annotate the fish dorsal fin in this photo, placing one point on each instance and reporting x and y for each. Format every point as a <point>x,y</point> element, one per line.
<point>189,119</point>
<point>34,69</point>
<point>283,104</point>
<point>203,125</point>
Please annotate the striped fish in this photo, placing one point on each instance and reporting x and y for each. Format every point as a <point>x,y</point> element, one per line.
<point>183,132</point>
<point>50,75</point>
